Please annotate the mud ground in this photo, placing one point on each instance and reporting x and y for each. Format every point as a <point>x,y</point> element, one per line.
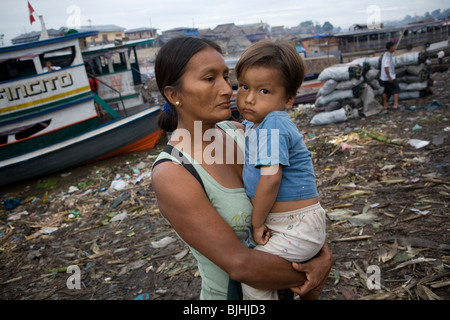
<point>95,232</point>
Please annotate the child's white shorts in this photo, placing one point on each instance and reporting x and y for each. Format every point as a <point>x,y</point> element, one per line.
<point>296,236</point>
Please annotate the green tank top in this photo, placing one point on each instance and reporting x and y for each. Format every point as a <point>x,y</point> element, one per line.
<point>234,207</point>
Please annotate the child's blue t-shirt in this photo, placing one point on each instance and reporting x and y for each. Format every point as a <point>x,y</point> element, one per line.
<point>277,141</point>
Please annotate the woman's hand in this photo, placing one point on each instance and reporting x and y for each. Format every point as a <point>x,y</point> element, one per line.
<point>316,271</point>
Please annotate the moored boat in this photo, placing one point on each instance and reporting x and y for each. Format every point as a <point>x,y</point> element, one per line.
<point>50,117</point>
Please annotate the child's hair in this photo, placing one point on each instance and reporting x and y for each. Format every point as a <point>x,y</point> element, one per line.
<point>280,55</point>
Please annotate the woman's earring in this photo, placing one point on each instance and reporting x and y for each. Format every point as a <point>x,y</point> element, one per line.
<point>177,103</point>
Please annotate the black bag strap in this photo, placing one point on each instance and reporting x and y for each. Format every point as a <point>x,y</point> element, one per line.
<point>184,162</point>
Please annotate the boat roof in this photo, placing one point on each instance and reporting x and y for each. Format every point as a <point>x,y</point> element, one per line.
<point>112,46</point>
<point>40,43</point>
<point>410,26</point>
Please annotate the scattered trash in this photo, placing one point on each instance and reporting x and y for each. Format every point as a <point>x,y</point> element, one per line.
<point>143,296</point>
<point>181,255</point>
<point>73,189</point>
<point>416,143</point>
<point>424,213</point>
<point>11,203</point>
<point>124,196</point>
<point>438,140</point>
<point>163,242</point>
<point>17,216</point>
<point>48,231</point>
<point>118,184</point>
<point>119,217</point>
<point>432,106</point>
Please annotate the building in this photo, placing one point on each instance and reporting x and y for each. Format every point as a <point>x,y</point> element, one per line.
<point>106,34</point>
<point>317,45</point>
<point>277,32</point>
<point>255,32</point>
<point>207,34</point>
<point>34,36</point>
<point>179,32</point>
<point>231,38</point>
<point>142,33</point>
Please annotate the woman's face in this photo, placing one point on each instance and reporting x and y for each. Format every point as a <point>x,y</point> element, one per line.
<point>206,90</point>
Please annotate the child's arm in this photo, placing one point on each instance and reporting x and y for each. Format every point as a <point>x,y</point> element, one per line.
<point>265,196</point>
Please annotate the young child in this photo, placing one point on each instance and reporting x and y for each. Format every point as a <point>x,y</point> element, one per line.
<point>278,173</point>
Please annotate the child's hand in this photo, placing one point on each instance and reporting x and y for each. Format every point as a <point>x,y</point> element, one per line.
<point>261,234</point>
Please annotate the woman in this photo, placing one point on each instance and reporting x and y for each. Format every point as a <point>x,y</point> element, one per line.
<point>215,221</point>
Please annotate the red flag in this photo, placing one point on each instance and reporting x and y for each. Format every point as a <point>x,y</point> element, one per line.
<point>31,10</point>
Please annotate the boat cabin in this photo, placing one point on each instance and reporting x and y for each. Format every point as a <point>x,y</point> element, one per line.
<point>50,117</point>
<point>115,70</point>
<point>43,88</point>
<point>425,35</point>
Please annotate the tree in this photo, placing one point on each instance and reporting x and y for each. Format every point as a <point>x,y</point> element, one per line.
<point>435,14</point>
<point>318,29</point>
<point>327,27</point>
<point>306,26</point>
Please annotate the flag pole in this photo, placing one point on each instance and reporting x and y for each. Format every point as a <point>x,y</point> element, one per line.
<point>44,33</point>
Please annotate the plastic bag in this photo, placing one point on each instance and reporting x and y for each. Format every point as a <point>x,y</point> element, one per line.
<point>163,242</point>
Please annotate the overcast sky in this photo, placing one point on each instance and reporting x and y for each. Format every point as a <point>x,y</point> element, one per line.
<point>167,14</point>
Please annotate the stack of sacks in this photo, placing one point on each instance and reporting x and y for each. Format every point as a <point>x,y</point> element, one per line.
<point>342,83</point>
<point>413,75</point>
<point>357,83</point>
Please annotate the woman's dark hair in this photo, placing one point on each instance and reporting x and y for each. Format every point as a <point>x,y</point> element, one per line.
<point>281,55</point>
<point>170,66</point>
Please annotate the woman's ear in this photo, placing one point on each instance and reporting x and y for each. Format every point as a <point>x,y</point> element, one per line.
<point>171,95</point>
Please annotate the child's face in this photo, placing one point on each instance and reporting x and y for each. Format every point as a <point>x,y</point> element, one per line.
<point>260,92</point>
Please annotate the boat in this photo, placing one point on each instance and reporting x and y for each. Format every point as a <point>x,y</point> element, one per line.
<point>431,36</point>
<point>52,120</point>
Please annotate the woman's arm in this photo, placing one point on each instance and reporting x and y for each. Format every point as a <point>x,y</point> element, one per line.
<point>183,202</point>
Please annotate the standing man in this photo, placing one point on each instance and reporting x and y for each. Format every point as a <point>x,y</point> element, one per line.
<point>387,76</point>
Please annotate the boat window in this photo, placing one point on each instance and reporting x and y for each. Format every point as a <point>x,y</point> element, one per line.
<point>362,38</point>
<point>17,68</point>
<point>32,130</point>
<point>24,132</point>
<point>61,58</point>
<point>118,61</point>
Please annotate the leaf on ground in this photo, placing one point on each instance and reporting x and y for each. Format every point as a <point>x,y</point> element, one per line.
<point>340,214</point>
<point>355,193</point>
<point>386,255</point>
